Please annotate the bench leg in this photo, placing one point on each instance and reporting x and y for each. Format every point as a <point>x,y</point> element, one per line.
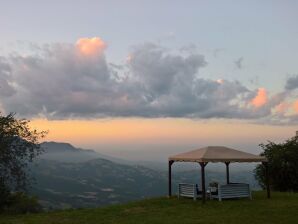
<point>194,193</point>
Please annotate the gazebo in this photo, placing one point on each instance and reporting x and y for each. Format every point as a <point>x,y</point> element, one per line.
<point>215,154</point>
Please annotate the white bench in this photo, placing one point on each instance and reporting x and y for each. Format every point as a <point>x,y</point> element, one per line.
<point>236,190</point>
<point>188,190</point>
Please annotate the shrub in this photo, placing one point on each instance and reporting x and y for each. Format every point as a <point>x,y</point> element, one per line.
<point>20,203</point>
<point>282,164</point>
<point>4,196</point>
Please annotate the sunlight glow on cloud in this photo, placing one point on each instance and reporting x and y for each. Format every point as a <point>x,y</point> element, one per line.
<point>220,81</point>
<point>129,58</point>
<point>282,107</point>
<point>295,106</point>
<point>91,46</point>
<point>261,98</point>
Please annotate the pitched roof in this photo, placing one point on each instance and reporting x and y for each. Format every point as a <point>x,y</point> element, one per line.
<point>217,154</point>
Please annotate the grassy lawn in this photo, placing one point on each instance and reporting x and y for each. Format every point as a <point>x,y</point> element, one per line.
<point>282,208</point>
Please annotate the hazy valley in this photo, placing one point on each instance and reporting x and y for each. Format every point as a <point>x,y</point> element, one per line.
<point>67,177</point>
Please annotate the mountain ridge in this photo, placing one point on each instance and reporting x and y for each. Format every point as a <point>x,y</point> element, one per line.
<point>70,177</point>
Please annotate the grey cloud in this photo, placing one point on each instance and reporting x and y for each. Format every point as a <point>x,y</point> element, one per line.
<point>292,83</point>
<point>6,88</point>
<point>159,71</point>
<point>254,81</point>
<point>238,63</point>
<point>58,83</point>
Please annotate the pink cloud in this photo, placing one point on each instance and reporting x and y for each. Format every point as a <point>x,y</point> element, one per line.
<point>91,46</point>
<point>260,99</point>
<point>282,107</point>
<point>295,106</point>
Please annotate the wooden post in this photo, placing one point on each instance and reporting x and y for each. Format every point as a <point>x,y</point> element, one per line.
<point>227,172</point>
<point>170,178</point>
<point>267,179</point>
<point>203,181</point>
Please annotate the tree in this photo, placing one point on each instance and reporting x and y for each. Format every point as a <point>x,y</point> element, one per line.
<point>19,145</point>
<point>282,164</point>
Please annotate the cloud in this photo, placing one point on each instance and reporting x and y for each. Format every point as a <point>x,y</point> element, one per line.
<point>282,107</point>
<point>260,99</point>
<point>91,46</point>
<point>64,81</point>
<point>295,106</point>
<point>57,82</point>
<point>6,88</point>
<point>292,83</point>
<point>160,72</point>
<point>238,63</point>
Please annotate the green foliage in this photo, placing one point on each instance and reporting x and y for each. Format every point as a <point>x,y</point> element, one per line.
<point>281,208</point>
<point>4,196</point>
<point>20,203</point>
<point>282,163</point>
<point>18,147</point>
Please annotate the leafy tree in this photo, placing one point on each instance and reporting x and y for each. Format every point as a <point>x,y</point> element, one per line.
<point>19,145</point>
<point>282,164</point>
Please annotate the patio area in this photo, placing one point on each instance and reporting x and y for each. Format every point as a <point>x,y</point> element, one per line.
<point>215,154</point>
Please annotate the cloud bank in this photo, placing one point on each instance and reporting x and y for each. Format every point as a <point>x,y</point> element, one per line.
<point>62,81</point>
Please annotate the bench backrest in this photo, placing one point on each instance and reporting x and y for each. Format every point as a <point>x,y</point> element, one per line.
<point>234,191</point>
<point>187,190</point>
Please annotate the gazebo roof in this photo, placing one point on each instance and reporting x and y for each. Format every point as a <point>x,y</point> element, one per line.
<point>217,154</point>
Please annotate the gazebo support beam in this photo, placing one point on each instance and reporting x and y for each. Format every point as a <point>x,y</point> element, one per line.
<point>203,181</point>
<point>170,178</point>
<point>265,164</point>
<point>228,172</point>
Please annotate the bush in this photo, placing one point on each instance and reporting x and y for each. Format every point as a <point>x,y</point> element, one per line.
<point>20,203</point>
<point>4,196</point>
<point>282,164</point>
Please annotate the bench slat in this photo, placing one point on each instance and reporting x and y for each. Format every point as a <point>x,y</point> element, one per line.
<point>233,191</point>
<point>187,190</point>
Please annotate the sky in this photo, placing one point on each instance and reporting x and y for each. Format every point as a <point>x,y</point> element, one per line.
<point>148,78</point>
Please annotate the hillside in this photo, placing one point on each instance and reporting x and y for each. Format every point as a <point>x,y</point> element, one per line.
<point>282,208</point>
<point>100,182</point>
<point>65,152</point>
<point>70,177</point>
<point>93,183</point>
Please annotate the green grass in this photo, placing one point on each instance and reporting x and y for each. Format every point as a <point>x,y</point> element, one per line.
<point>282,208</point>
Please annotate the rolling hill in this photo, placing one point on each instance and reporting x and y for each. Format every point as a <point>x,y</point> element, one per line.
<point>70,177</point>
<point>93,183</point>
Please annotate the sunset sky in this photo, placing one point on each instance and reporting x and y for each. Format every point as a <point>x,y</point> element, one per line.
<point>144,79</point>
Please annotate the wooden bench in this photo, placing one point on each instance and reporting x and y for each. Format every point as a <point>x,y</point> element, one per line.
<point>235,190</point>
<point>189,190</point>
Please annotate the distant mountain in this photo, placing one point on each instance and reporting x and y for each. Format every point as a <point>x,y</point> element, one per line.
<point>60,147</point>
<point>65,152</point>
<point>93,183</point>
<point>67,177</point>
